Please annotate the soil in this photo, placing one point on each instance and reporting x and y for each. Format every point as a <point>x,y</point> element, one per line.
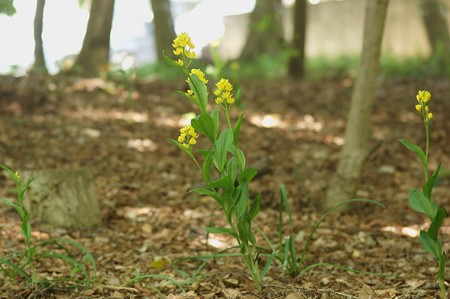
<point>151,225</point>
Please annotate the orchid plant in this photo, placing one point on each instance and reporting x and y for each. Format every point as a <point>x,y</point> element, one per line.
<point>231,188</point>
<point>421,200</point>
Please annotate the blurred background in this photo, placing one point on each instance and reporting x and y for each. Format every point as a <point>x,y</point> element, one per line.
<point>333,31</point>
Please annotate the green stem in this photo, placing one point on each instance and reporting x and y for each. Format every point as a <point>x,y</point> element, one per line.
<point>443,288</point>
<point>427,145</point>
<point>252,265</point>
<point>198,165</point>
<point>227,114</point>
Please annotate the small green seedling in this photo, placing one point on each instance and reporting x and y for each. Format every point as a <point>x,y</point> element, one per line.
<point>421,200</point>
<point>24,264</point>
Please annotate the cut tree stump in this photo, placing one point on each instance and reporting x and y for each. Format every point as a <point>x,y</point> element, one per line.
<point>62,197</point>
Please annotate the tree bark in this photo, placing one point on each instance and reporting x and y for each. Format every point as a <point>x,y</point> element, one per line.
<point>354,152</point>
<point>265,34</point>
<point>94,55</point>
<point>436,26</point>
<point>296,66</point>
<point>39,59</point>
<point>163,24</point>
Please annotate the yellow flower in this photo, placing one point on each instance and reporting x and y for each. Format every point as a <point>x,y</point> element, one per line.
<point>199,74</point>
<point>188,136</point>
<point>190,93</point>
<point>180,62</point>
<point>17,175</point>
<point>223,92</point>
<point>430,116</point>
<point>419,107</point>
<point>423,96</point>
<point>183,46</point>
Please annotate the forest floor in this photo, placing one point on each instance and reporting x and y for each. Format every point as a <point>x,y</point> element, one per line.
<point>149,221</point>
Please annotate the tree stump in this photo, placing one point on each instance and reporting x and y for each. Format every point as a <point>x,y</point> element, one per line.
<point>62,197</point>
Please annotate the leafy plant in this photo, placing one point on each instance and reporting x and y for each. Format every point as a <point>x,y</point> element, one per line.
<point>21,264</point>
<point>287,254</point>
<point>225,159</point>
<point>421,200</point>
<point>231,189</point>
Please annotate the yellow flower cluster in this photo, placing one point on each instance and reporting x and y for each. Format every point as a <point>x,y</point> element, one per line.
<point>201,77</point>
<point>423,96</point>
<point>223,92</point>
<point>199,74</point>
<point>183,47</point>
<point>188,136</point>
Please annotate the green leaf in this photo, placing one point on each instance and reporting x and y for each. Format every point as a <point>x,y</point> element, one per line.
<point>237,128</point>
<point>172,62</point>
<point>442,266</point>
<point>200,91</point>
<point>242,200</point>
<point>11,173</point>
<point>232,166</point>
<point>414,148</point>
<point>220,230</point>
<point>215,117</point>
<point>432,247</point>
<point>437,222</point>
<point>204,124</point>
<point>285,204</point>
<point>244,231</point>
<point>421,204</point>
<point>7,7</point>
<point>222,147</point>
<point>240,156</point>
<point>206,167</point>
<point>180,146</point>
<point>27,184</point>
<point>9,203</point>
<point>188,97</point>
<point>247,175</point>
<point>224,183</point>
<point>256,207</point>
<point>267,265</point>
<point>428,187</point>
<point>205,191</point>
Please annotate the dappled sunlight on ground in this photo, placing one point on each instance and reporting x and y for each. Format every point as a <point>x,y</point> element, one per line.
<point>149,220</point>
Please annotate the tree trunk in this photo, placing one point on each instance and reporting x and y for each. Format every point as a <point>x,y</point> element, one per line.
<point>265,34</point>
<point>354,152</point>
<point>296,67</point>
<point>163,24</point>
<point>94,55</point>
<point>39,59</point>
<point>434,19</point>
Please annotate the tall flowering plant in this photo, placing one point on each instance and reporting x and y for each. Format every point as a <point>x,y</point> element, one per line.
<point>231,188</point>
<point>421,200</point>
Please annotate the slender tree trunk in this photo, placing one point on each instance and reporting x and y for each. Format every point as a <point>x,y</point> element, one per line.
<point>265,34</point>
<point>94,55</point>
<point>296,67</point>
<point>164,31</point>
<point>39,59</point>
<point>436,25</point>
<point>354,152</point>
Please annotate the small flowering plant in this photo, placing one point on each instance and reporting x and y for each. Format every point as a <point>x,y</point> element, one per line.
<point>231,188</point>
<point>421,200</point>
<point>22,263</point>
